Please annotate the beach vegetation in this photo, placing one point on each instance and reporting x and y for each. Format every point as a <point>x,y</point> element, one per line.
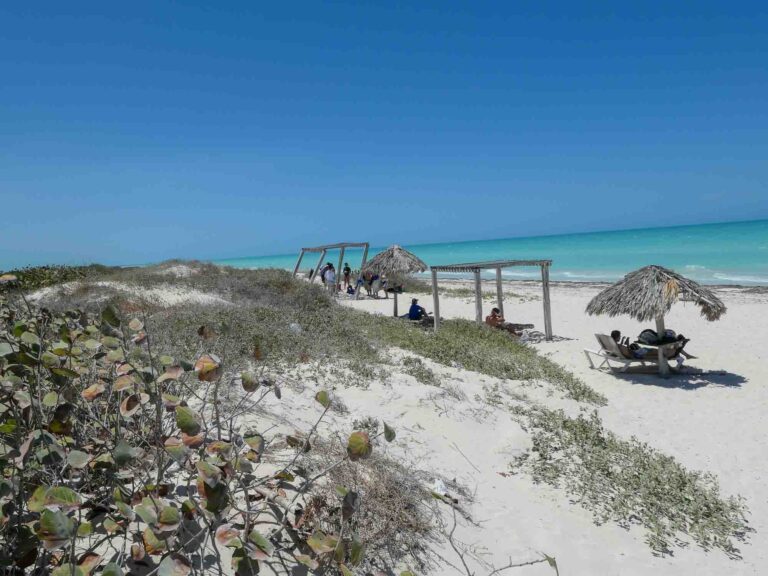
<point>290,320</point>
<point>630,483</point>
<point>415,366</point>
<point>118,455</point>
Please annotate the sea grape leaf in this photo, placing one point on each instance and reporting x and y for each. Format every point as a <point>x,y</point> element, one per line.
<point>263,546</point>
<point>112,569</point>
<point>62,498</point>
<point>323,398</point>
<point>389,433</point>
<point>209,473</point>
<point>56,529</point>
<point>174,565</point>
<point>84,529</point>
<point>130,405</point>
<point>208,367</point>
<point>228,535</point>
<point>36,502</point>
<point>356,553</point>
<point>359,445</point>
<point>123,453</point>
<point>77,459</point>
<point>152,544</point>
<point>250,381</point>
<point>93,391</point>
<point>308,561</point>
<point>187,421</point>
<point>350,504</point>
<point>88,561</point>
<point>175,447</point>
<point>50,399</point>
<point>109,315</point>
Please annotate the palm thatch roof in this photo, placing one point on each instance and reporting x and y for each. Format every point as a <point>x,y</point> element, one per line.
<point>395,260</point>
<point>649,293</point>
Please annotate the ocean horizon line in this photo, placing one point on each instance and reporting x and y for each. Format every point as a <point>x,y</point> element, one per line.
<point>728,253</point>
<point>528,237</point>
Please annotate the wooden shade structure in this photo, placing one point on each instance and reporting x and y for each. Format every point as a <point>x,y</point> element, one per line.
<point>394,261</point>
<point>323,250</point>
<point>498,265</point>
<point>648,294</point>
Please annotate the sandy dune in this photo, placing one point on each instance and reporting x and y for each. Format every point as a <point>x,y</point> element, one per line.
<point>711,422</point>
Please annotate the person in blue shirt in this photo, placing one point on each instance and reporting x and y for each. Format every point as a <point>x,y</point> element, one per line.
<point>416,312</point>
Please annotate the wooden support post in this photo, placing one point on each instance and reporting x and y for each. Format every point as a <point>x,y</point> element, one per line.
<point>478,298</point>
<point>435,300</point>
<point>341,263</point>
<point>317,268</point>
<point>362,265</point>
<point>547,305</point>
<point>663,365</point>
<point>395,311</point>
<point>499,292</point>
<point>298,262</point>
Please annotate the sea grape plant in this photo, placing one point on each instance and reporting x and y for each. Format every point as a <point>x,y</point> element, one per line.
<point>116,456</point>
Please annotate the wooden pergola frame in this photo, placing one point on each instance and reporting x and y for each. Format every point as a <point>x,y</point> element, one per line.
<point>475,268</point>
<point>323,250</point>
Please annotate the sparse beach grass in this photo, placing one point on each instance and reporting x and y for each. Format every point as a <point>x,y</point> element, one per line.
<point>290,319</point>
<point>631,483</point>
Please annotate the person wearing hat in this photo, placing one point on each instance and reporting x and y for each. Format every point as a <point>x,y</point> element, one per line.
<point>416,312</point>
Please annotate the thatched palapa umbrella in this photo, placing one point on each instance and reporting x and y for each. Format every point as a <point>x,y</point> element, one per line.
<point>395,261</point>
<point>648,294</point>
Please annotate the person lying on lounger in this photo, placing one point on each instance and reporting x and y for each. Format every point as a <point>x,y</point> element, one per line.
<point>673,343</point>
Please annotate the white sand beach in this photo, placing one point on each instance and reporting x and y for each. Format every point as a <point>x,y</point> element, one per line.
<point>712,421</point>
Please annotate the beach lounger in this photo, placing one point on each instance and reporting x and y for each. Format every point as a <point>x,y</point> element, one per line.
<point>609,352</point>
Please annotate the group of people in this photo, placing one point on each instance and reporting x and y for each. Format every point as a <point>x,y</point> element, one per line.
<point>372,282</point>
<point>328,277</point>
<point>375,283</point>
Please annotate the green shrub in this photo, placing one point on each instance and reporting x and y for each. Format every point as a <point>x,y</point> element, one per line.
<point>109,442</point>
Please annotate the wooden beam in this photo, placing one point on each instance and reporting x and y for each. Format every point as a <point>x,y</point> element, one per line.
<point>298,262</point>
<point>435,300</point>
<point>478,298</point>
<point>499,292</point>
<point>663,365</point>
<point>317,268</point>
<point>362,265</point>
<point>547,304</point>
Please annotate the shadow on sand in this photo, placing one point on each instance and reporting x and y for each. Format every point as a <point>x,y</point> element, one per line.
<point>688,378</point>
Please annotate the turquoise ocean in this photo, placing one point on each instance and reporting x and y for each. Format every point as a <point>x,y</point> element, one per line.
<point>728,253</point>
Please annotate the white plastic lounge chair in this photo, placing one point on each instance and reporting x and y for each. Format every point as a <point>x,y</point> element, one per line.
<point>609,352</point>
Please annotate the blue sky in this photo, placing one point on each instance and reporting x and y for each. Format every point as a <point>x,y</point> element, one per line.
<point>137,132</point>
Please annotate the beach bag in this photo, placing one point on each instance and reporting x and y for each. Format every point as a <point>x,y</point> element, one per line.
<point>648,336</point>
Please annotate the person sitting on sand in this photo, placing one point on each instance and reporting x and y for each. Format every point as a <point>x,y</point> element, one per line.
<point>416,312</point>
<point>496,320</point>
